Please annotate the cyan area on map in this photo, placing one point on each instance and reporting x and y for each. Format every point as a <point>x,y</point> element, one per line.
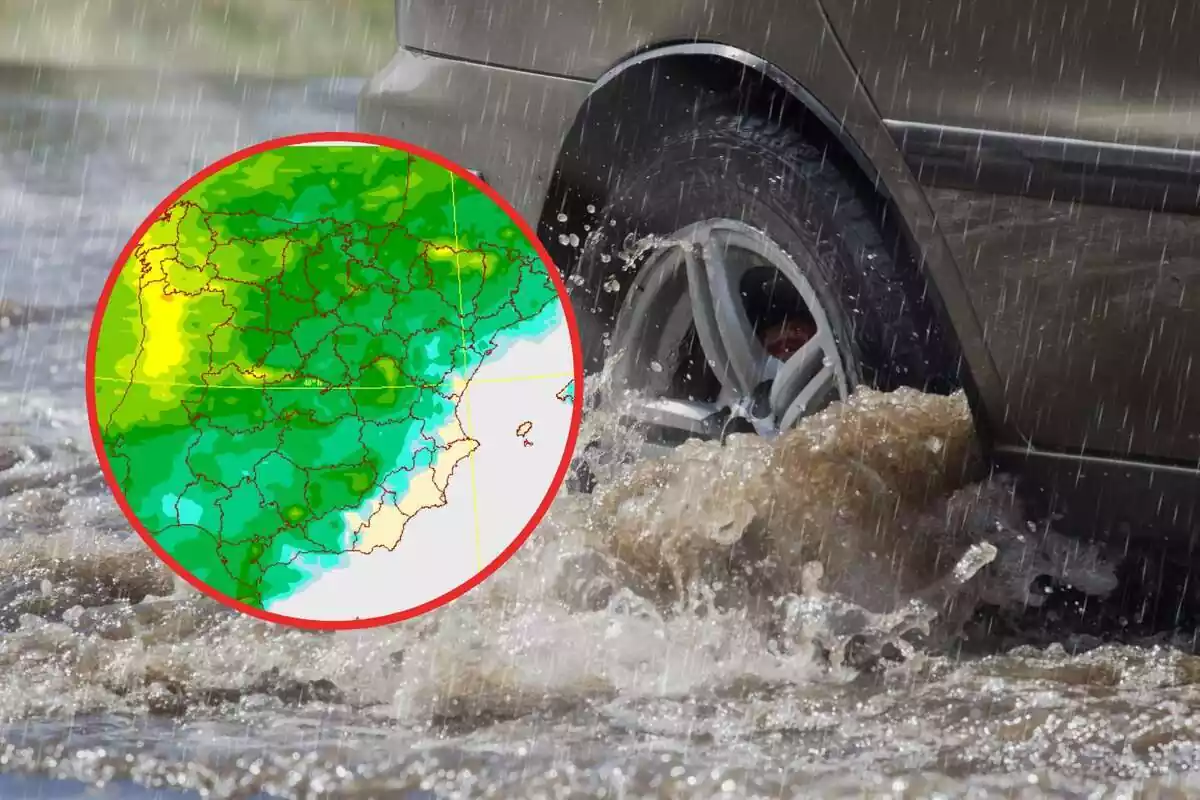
<point>281,362</point>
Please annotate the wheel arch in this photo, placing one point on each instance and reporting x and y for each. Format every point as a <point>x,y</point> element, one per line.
<point>633,103</point>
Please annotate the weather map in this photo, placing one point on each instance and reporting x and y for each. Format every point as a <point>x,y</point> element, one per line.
<point>305,375</point>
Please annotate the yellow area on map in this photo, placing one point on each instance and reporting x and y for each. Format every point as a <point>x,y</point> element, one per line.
<point>163,318</point>
<point>384,525</point>
<point>460,259</point>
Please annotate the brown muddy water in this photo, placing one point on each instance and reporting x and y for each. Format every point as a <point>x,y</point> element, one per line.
<point>849,611</point>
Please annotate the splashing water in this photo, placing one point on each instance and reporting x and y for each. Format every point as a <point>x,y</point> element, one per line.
<point>857,522</point>
<point>792,563</point>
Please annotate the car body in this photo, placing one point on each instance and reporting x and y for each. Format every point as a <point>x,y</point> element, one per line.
<point>1041,162</point>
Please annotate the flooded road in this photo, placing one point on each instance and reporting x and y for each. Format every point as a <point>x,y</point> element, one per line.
<point>846,612</point>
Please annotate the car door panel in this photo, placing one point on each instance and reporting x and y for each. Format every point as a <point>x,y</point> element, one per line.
<point>1057,143</point>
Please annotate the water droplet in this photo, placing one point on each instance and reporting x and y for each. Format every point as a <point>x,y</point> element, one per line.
<point>564,239</point>
<point>562,217</point>
<point>591,209</point>
<point>655,366</point>
<point>605,258</point>
<point>574,240</point>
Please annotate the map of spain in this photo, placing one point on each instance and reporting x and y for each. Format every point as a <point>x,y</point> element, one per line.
<point>305,374</point>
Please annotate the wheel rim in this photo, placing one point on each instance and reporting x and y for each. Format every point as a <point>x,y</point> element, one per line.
<point>721,332</point>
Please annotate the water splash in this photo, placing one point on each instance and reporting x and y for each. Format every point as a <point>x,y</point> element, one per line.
<point>804,558</point>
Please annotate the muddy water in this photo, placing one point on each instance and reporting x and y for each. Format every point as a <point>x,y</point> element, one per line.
<point>852,610</point>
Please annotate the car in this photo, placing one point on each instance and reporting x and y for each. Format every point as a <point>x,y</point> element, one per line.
<point>764,205</point>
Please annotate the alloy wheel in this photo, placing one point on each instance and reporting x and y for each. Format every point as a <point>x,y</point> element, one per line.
<point>721,332</point>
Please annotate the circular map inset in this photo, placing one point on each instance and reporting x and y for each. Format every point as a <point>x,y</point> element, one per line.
<point>332,381</point>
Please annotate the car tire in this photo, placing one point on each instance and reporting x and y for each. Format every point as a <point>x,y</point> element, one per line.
<point>767,178</point>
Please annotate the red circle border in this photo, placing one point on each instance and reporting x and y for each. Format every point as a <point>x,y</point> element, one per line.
<point>576,412</point>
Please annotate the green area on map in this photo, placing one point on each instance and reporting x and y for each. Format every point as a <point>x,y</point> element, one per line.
<point>279,367</point>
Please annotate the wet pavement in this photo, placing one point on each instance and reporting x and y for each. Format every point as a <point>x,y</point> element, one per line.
<point>735,622</point>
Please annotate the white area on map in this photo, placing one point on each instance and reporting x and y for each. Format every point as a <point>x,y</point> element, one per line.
<point>491,497</point>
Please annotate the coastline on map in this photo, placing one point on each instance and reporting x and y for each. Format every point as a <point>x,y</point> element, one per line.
<point>534,329</point>
<point>312,564</point>
<point>384,524</point>
<point>432,462</point>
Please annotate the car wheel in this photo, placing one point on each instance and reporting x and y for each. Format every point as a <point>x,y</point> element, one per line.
<point>737,281</point>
